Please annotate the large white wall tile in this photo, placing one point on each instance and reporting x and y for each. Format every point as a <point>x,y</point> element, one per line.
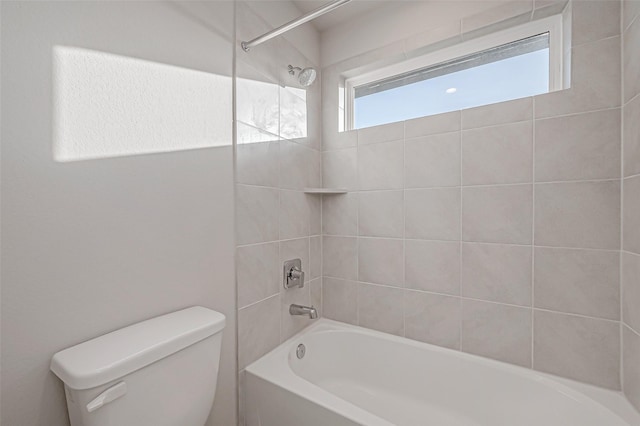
<point>496,272</point>
<point>498,154</point>
<point>294,215</point>
<point>578,147</point>
<point>432,214</point>
<point>631,214</point>
<point>380,308</point>
<point>314,204</point>
<point>580,348</point>
<point>630,10</point>
<point>340,168</point>
<point>381,261</point>
<point>631,374</point>
<point>381,214</point>
<point>340,257</point>
<point>258,330</point>
<point>339,140</point>
<point>595,85</point>
<point>499,113</point>
<point>584,282</point>
<point>383,133</point>
<point>432,318</point>
<point>258,274</point>
<point>594,20</point>
<point>432,124</point>
<point>340,300</point>
<point>631,202</point>
<point>497,331</point>
<point>315,257</point>
<point>631,135</point>
<point>295,160</point>
<point>499,214</point>
<point>630,61</point>
<point>257,157</point>
<point>432,266</point>
<point>340,215</point>
<point>257,212</point>
<point>631,290</point>
<point>578,214</point>
<point>380,166</point>
<point>433,161</point>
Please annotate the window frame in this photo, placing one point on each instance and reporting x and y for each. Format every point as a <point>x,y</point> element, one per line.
<point>552,25</point>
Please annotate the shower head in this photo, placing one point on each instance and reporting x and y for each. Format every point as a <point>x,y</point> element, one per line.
<point>306,76</point>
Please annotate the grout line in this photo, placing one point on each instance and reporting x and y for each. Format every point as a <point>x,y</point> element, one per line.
<point>276,241</point>
<point>404,227</point>
<point>411,140</point>
<point>358,229</point>
<point>633,99</point>
<point>571,114</point>
<point>381,142</point>
<point>490,185</point>
<point>474,242</point>
<point>584,43</point>
<point>633,21</point>
<point>420,138</point>
<point>487,185</point>
<point>533,308</point>
<point>572,314</point>
<point>578,181</point>
<point>501,124</point>
<point>271,187</point>
<point>630,252</point>
<point>259,301</point>
<point>632,176</point>
<point>620,260</point>
<point>634,331</point>
<point>533,233</point>
<point>460,224</point>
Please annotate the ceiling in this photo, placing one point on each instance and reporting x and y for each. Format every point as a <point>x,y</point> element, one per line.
<point>351,10</point>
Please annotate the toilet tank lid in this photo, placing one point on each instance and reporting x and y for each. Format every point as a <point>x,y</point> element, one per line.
<point>114,355</point>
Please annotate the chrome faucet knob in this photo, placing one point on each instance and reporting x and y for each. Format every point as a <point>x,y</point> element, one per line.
<point>296,274</point>
<point>293,274</point>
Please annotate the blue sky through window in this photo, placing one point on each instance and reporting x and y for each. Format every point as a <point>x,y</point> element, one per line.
<point>512,78</point>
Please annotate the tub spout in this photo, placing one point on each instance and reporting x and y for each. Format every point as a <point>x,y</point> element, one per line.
<point>303,310</point>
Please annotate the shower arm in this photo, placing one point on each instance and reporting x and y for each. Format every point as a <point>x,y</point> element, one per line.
<point>247,45</point>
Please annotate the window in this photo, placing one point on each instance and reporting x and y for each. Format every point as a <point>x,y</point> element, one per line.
<point>515,63</point>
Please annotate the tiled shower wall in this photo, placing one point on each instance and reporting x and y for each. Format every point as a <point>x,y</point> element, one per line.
<point>495,230</point>
<point>278,155</point>
<point>631,201</point>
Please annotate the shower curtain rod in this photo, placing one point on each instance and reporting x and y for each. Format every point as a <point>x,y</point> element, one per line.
<point>247,45</point>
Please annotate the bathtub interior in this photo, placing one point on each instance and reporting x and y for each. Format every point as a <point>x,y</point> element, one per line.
<point>404,382</point>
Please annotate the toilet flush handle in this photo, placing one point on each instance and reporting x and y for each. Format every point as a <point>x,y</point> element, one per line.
<point>114,392</point>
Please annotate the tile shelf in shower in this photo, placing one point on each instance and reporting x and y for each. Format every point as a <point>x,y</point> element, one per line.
<point>325,191</point>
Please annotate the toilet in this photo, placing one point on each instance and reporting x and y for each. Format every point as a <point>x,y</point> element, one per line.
<point>159,372</point>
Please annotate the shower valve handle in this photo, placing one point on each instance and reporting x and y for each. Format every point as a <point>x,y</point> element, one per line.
<point>293,274</point>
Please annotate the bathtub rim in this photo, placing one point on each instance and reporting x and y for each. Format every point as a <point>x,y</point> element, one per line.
<point>274,368</point>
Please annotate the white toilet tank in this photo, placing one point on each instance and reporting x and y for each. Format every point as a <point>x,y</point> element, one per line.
<point>159,372</point>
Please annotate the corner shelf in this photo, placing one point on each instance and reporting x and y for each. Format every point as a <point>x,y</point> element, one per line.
<point>325,191</point>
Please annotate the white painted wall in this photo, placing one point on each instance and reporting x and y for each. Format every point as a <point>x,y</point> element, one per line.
<point>394,21</point>
<point>305,38</point>
<point>90,246</point>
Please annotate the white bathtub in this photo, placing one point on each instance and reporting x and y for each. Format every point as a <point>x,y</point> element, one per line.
<point>354,376</point>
